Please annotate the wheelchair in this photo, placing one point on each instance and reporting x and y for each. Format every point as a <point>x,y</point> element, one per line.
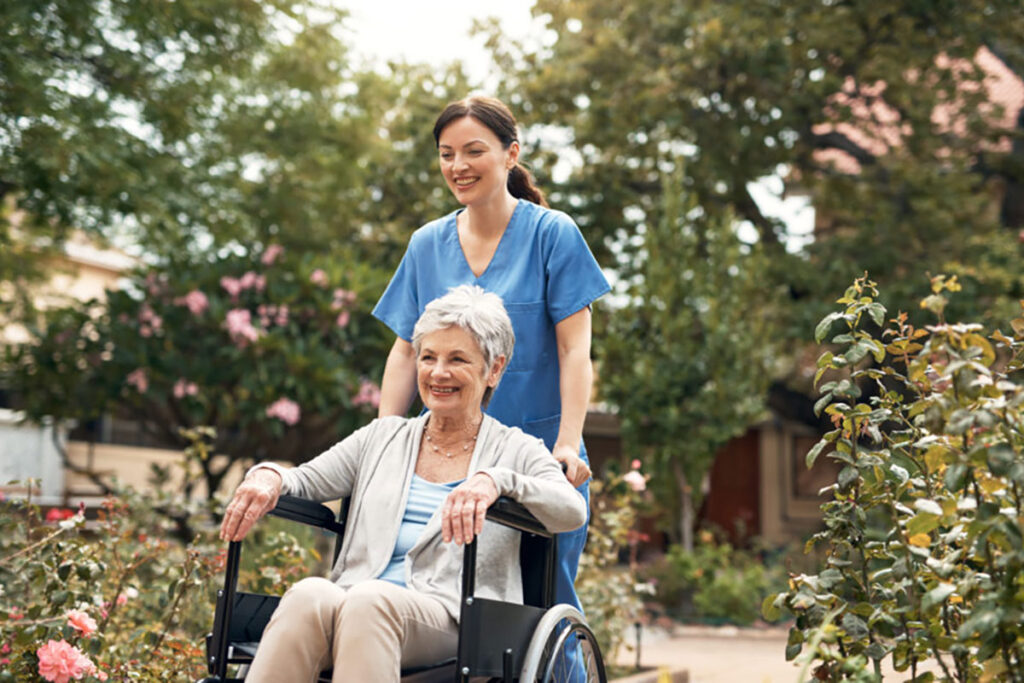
<point>534,642</point>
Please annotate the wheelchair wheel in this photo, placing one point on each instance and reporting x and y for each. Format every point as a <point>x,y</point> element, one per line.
<point>563,649</point>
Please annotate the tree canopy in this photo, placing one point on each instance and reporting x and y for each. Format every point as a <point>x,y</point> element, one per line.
<point>746,89</point>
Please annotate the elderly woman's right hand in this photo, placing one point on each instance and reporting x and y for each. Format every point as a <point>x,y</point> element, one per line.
<point>254,497</point>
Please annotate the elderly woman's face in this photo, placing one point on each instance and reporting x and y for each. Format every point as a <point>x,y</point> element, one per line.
<point>451,373</point>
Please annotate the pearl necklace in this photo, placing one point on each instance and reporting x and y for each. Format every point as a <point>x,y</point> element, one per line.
<point>449,454</point>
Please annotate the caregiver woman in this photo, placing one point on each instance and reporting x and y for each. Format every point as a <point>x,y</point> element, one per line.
<point>507,241</point>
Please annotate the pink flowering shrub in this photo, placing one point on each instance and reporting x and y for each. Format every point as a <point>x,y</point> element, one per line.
<point>120,600</point>
<point>218,343</point>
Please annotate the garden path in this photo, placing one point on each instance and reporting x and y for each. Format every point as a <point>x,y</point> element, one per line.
<point>724,654</point>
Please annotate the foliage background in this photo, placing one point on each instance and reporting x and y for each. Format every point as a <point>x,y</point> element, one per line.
<point>201,134</point>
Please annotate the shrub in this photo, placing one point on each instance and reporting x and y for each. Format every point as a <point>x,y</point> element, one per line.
<point>115,598</point>
<point>714,582</point>
<point>923,535</point>
<point>608,590</point>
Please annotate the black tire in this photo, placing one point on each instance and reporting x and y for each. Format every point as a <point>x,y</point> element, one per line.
<point>563,649</point>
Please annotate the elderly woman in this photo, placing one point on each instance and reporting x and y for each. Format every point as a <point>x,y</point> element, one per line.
<point>419,488</point>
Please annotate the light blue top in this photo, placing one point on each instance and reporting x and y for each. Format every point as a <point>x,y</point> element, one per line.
<point>543,271</point>
<point>424,498</point>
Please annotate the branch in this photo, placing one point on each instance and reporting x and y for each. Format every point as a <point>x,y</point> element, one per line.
<point>94,477</point>
<point>836,140</point>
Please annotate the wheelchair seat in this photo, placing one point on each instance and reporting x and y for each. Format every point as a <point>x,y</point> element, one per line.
<point>534,641</point>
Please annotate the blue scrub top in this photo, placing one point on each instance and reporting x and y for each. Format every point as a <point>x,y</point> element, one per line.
<point>543,271</point>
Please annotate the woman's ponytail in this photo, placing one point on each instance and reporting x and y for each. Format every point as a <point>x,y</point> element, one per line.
<point>520,185</point>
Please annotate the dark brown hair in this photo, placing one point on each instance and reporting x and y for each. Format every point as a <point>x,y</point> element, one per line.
<point>493,113</point>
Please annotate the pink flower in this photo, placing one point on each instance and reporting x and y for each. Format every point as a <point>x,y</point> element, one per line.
<point>154,284</point>
<point>285,410</point>
<point>231,285</point>
<point>239,324</point>
<point>102,675</point>
<point>59,662</point>
<point>282,316</point>
<point>636,481</point>
<point>318,277</point>
<point>251,280</point>
<point>138,379</point>
<point>81,621</point>
<point>195,301</point>
<point>342,320</point>
<point>183,388</point>
<point>271,254</point>
<point>635,464</point>
<point>149,322</point>
<point>369,394</point>
<point>130,593</point>
<point>342,298</point>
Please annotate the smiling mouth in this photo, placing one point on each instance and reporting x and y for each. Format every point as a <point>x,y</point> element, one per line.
<point>444,390</point>
<point>465,182</point>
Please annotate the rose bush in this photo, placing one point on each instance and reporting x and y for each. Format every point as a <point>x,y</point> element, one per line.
<point>110,596</point>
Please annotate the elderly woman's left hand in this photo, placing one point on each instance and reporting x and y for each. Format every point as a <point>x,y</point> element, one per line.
<point>464,511</point>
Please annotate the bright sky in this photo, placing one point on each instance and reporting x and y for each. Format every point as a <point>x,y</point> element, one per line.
<point>435,31</point>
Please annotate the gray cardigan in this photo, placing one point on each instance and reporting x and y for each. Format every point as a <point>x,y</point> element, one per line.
<point>374,466</point>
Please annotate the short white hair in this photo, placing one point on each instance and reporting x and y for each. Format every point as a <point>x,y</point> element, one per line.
<point>479,312</point>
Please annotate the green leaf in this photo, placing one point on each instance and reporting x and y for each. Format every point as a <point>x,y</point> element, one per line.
<point>854,626</point>
<point>815,451</point>
<point>955,477</point>
<point>847,476</point>
<point>826,323</point>
<point>769,610</point>
<point>959,422</point>
<point>937,595</point>
<point>877,313</point>
<point>922,523</point>
<point>820,404</point>
<point>876,651</point>
<point>1000,458</point>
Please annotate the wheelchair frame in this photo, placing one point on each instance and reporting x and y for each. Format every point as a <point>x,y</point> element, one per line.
<point>500,640</point>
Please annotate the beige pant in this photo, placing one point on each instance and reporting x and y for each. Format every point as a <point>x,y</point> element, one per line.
<point>367,633</point>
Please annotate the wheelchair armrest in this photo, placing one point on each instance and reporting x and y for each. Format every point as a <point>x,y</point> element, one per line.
<point>512,514</point>
<point>307,512</point>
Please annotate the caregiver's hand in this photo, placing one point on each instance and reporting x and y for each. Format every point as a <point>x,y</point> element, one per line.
<point>464,511</point>
<point>253,498</point>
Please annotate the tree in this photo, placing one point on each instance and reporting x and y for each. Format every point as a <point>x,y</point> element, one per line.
<point>276,351</point>
<point>188,126</point>
<point>684,360</point>
<point>744,89</point>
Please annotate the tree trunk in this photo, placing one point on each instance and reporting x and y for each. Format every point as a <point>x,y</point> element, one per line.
<point>685,508</point>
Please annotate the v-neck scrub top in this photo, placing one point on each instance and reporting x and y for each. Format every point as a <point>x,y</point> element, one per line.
<point>543,271</point>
